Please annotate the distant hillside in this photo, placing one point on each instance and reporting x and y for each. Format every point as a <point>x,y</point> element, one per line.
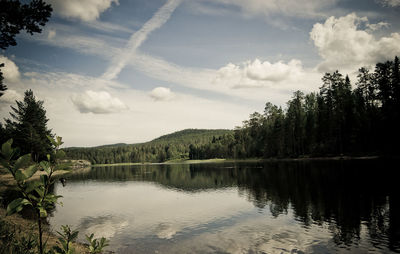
<point>191,136</point>
<point>167,147</point>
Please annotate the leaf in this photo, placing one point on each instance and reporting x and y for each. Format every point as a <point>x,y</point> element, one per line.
<point>30,171</point>
<point>74,235</point>
<point>51,198</point>
<point>46,166</point>
<point>89,238</point>
<point>40,190</point>
<point>6,149</point>
<point>22,175</point>
<point>44,179</point>
<point>103,242</point>
<point>59,141</point>
<point>32,185</point>
<point>52,140</point>
<point>22,161</point>
<point>16,205</point>
<point>19,176</point>
<point>32,197</point>
<point>42,212</point>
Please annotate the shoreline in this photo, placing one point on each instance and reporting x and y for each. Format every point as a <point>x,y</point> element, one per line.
<point>218,160</point>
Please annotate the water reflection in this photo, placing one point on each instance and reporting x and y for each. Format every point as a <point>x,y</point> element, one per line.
<point>318,206</point>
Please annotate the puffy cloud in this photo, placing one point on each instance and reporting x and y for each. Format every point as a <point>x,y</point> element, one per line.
<point>86,10</point>
<point>272,72</point>
<point>344,45</point>
<point>10,70</point>
<point>10,96</point>
<point>97,103</point>
<point>258,73</point>
<point>391,3</point>
<point>161,94</point>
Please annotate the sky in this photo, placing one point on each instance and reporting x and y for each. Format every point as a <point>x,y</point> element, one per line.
<point>128,71</point>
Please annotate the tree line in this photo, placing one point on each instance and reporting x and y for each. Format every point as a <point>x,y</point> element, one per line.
<point>173,146</point>
<point>337,120</point>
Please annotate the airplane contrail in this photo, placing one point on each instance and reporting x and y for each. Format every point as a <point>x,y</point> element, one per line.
<point>121,60</point>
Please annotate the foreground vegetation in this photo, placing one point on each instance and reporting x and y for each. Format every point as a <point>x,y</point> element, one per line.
<point>38,196</point>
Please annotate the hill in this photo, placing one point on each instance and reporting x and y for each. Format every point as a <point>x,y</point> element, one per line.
<point>167,147</point>
<point>190,136</point>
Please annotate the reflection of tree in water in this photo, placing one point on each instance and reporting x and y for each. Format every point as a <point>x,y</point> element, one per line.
<point>341,194</point>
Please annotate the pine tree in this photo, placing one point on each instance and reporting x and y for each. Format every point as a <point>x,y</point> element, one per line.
<point>28,127</point>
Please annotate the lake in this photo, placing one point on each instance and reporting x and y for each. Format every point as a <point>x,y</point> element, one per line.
<point>346,206</point>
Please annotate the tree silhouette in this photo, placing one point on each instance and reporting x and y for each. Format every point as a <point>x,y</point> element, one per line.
<point>28,127</point>
<point>16,17</point>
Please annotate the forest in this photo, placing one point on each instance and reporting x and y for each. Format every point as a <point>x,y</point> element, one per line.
<point>335,121</point>
<point>168,147</point>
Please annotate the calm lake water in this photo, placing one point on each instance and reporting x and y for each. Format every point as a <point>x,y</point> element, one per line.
<point>281,207</point>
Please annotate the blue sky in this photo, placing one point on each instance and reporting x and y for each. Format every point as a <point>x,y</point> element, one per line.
<point>114,71</point>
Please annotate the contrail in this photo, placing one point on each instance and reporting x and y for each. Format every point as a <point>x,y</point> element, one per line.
<point>160,18</point>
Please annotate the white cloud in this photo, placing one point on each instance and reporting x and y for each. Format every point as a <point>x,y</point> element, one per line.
<point>206,79</point>
<point>391,3</point>
<point>108,27</point>
<point>297,8</point>
<point>276,72</point>
<point>10,96</point>
<point>10,70</point>
<point>161,94</point>
<point>158,19</point>
<point>144,121</point>
<point>343,45</point>
<point>97,102</point>
<point>258,74</point>
<point>86,10</point>
<point>378,26</point>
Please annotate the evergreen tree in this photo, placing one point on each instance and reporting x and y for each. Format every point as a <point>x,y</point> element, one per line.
<point>28,127</point>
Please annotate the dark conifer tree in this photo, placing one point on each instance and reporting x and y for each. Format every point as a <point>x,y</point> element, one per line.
<point>28,127</point>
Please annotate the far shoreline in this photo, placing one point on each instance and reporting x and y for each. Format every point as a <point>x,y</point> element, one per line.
<point>219,160</point>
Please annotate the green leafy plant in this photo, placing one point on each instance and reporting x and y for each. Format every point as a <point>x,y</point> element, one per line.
<point>96,245</point>
<point>35,194</point>
<point>67,236</point>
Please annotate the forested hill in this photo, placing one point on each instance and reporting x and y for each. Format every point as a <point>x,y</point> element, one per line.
<point>191,136</point>
<point>168,147</point>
